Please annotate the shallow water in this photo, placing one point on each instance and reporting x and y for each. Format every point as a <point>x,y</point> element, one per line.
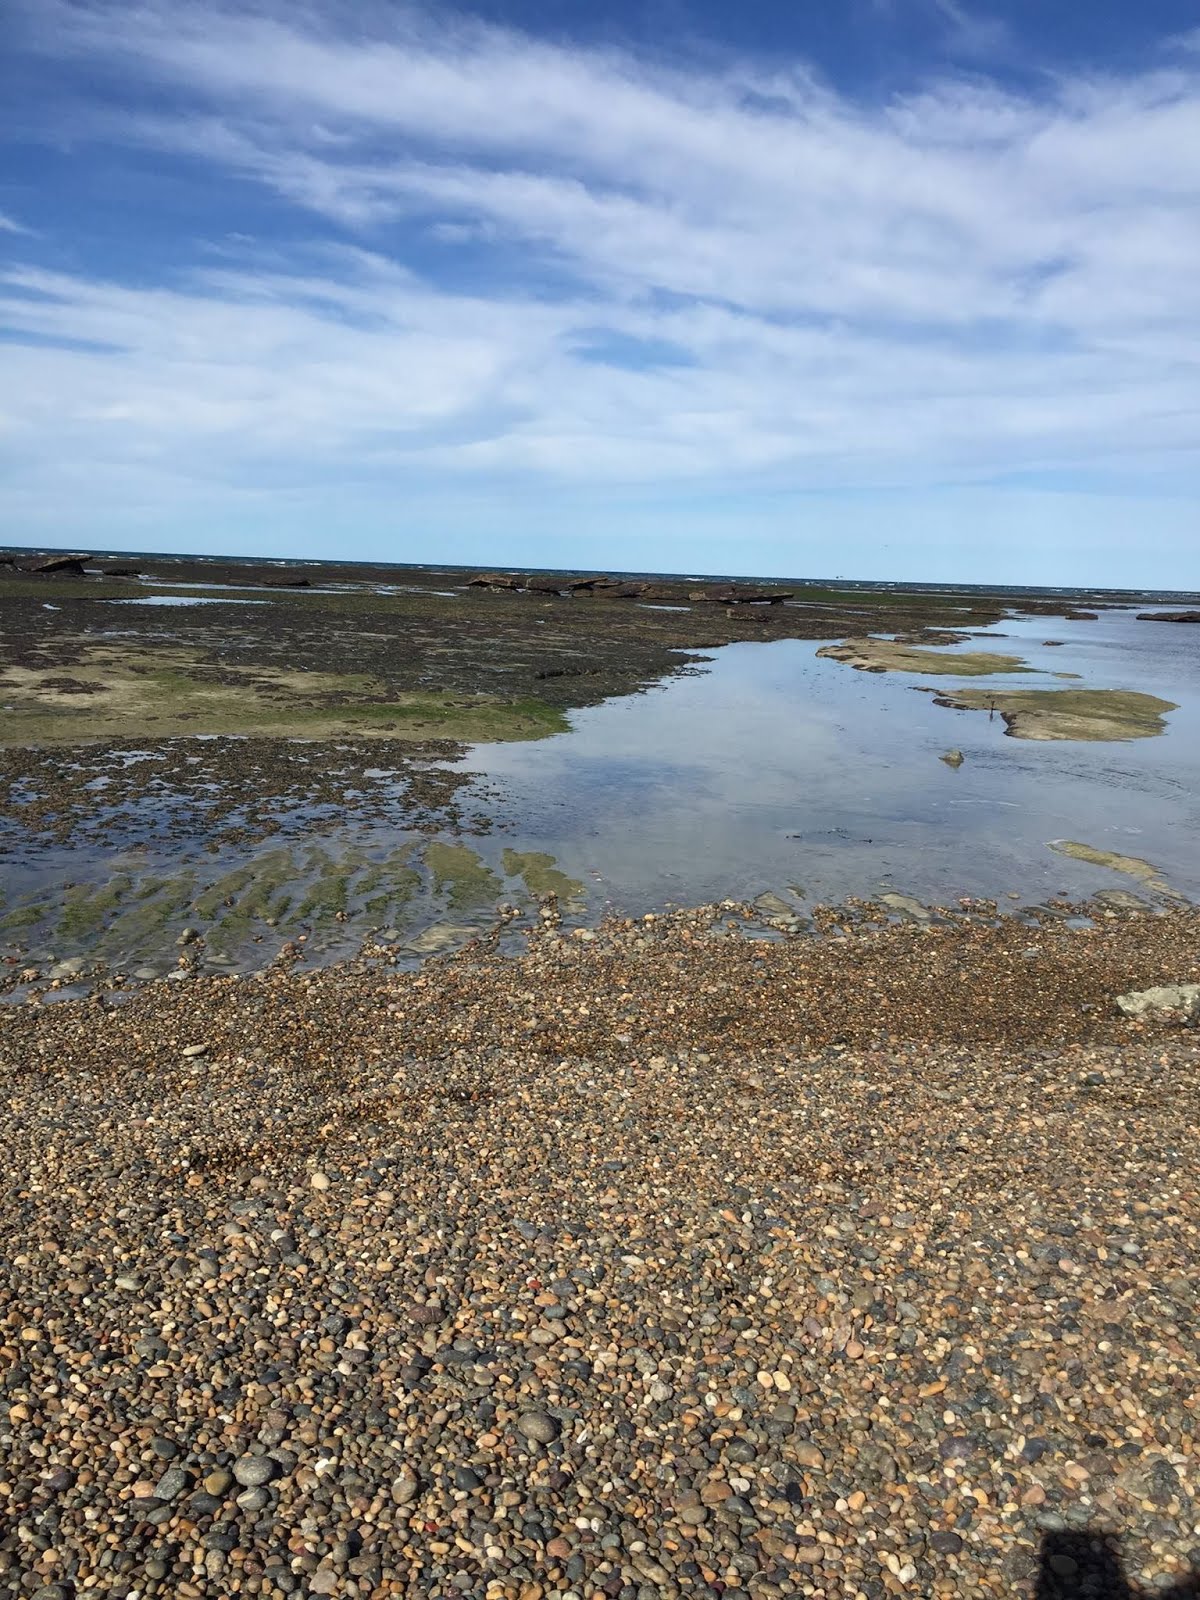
<point>186,600</point>
<point>777,767</point>
<point>764,768</point>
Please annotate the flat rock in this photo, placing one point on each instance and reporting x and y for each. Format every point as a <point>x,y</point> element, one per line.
<point>1164,997</point>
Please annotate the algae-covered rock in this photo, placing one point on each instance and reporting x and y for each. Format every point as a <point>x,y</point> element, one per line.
<point>541,877</point>
<point>890,655</point>
<point>1081,714</point>
<point>1132,866</point>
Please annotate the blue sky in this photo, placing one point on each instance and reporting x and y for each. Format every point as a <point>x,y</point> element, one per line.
<point>894,288</point>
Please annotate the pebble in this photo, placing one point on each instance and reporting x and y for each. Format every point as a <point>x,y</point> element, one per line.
<point>857,1267</point>
<point>538,1426</point>
<point>252,1471</point>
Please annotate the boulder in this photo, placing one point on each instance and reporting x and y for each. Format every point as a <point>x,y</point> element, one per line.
<point>1162,1000</point>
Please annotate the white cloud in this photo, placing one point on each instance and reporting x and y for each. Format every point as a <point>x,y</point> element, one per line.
<point>964,283</point>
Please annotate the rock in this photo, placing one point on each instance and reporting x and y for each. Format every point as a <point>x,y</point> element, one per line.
<point>494,580</point>
<point>319,1180</point>
<point>809,1456</point>
<point>945,1542</point>
<point>1165,997</point>
<point>218,1482</point>
<point>907,905</point>
<point>952,758</point>
<point>253,1471</point>
<point>404,1486</point>
<point>774,905</point>
<point>64,565</point>
<point>538,1426</point>
<point>172,1484</point>
<point>1168,616</point>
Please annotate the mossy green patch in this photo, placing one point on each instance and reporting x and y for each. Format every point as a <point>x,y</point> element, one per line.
<point>112,692</point>
<point>539,874</point>
<point>467,879</point>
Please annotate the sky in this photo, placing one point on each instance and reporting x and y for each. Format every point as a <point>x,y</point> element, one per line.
<point>904,289</point>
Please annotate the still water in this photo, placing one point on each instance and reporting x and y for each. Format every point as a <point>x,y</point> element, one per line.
<point>776,767</point>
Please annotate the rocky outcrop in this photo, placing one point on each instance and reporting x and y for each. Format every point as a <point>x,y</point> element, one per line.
<point>495,580</point>
<point>1168,616</point>
<point>65,565</point>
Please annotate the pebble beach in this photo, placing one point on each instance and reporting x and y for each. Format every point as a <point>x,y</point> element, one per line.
<point>654,1261</point>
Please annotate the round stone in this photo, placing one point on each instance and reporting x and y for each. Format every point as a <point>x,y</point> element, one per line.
<point>538,1426</point>
<point>252,1471</point>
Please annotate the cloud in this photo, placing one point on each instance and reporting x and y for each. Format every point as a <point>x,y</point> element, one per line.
<point>677,274</point>
<point>11,225</point>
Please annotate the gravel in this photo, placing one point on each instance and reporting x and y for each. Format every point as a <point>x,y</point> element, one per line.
<point>649,1265</point>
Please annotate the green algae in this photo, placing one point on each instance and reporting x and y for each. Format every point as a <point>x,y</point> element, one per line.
<point>116,692</point>
<point>540,876</point>
<point>467,879</point>
<point>157,903</point>
<point>87,908</point>
<point>390,884</point>
<point>26,914</point>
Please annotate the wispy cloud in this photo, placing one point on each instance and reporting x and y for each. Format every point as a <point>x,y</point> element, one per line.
<point>730,275</point>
